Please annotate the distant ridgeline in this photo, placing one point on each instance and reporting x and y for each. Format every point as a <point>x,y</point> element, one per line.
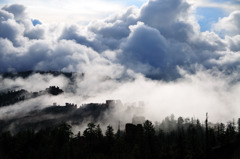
<point>14,96</point>
<point>55,114</point>
<point>26,74</point>
<point>47,132</point>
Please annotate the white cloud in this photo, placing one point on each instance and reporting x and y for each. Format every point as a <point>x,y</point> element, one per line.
<point>130,45</point>
<point>233,42</point>
<point>227,6</point>
<point>35,82</point>
<point>71,11</point>
<point>192,95</point>
<point>156,48</point>
<point>229,25</point>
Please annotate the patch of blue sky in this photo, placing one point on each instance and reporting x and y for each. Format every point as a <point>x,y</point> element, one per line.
<point>137,3</point>
<point>3,2</point>
<point>208,16</point>
<point>36,22</point>
<point>226,1</point>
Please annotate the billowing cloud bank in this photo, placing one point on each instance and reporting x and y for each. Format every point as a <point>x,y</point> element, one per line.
<point>160,40</point>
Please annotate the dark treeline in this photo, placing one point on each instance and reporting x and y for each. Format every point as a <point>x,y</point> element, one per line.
<point>53,115</point>
<point>14,96</point>
<point>26,74</point>
<point>184,139</point>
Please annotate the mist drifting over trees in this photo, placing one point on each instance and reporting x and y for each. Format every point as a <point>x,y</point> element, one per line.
<point>135,84</point>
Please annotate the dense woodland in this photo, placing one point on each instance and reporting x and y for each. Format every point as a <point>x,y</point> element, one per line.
<point>170,139</point>
<point>26,74</point>
<point>35,136</point>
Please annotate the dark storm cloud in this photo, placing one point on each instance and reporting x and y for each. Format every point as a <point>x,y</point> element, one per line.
<point>107,34</point>
<point>19,59</point>
<point>169,17</point>
<point>17,10</point>
<point>147,45</point>
<point>43,55</point>
<point>5,15</point>
<point>25,47</point>
<point>160,40</point>
<point>117,26</point>
<point>97,43</point>
<point>10,29</point>
<point>154,40</point>
<point>16,26</point>
<point>72,33</point>
<point>234,43</point>
<point>168,37</point>
<point>144,46</point>
<point>147,48</point>
<point>35,33</point>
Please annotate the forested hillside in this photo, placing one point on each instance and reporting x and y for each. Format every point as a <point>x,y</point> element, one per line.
<point>103,130</point>
<point>191,140</point>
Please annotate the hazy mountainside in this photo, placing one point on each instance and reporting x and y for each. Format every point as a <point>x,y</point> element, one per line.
<point>51,115</point>
<point>24,108</point>
<point>54,115</point>
<point>122,70</point>
<point>13,96</point>
<point>26,74</point>
<point>40,122</point>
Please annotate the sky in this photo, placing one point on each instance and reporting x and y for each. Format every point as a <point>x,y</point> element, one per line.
<point>73,11</point>
<point>184,53</point>
<point>82,12</point>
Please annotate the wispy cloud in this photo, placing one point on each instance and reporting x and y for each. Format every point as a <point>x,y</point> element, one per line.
<point>80,11</point>
<point>226,5</point>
